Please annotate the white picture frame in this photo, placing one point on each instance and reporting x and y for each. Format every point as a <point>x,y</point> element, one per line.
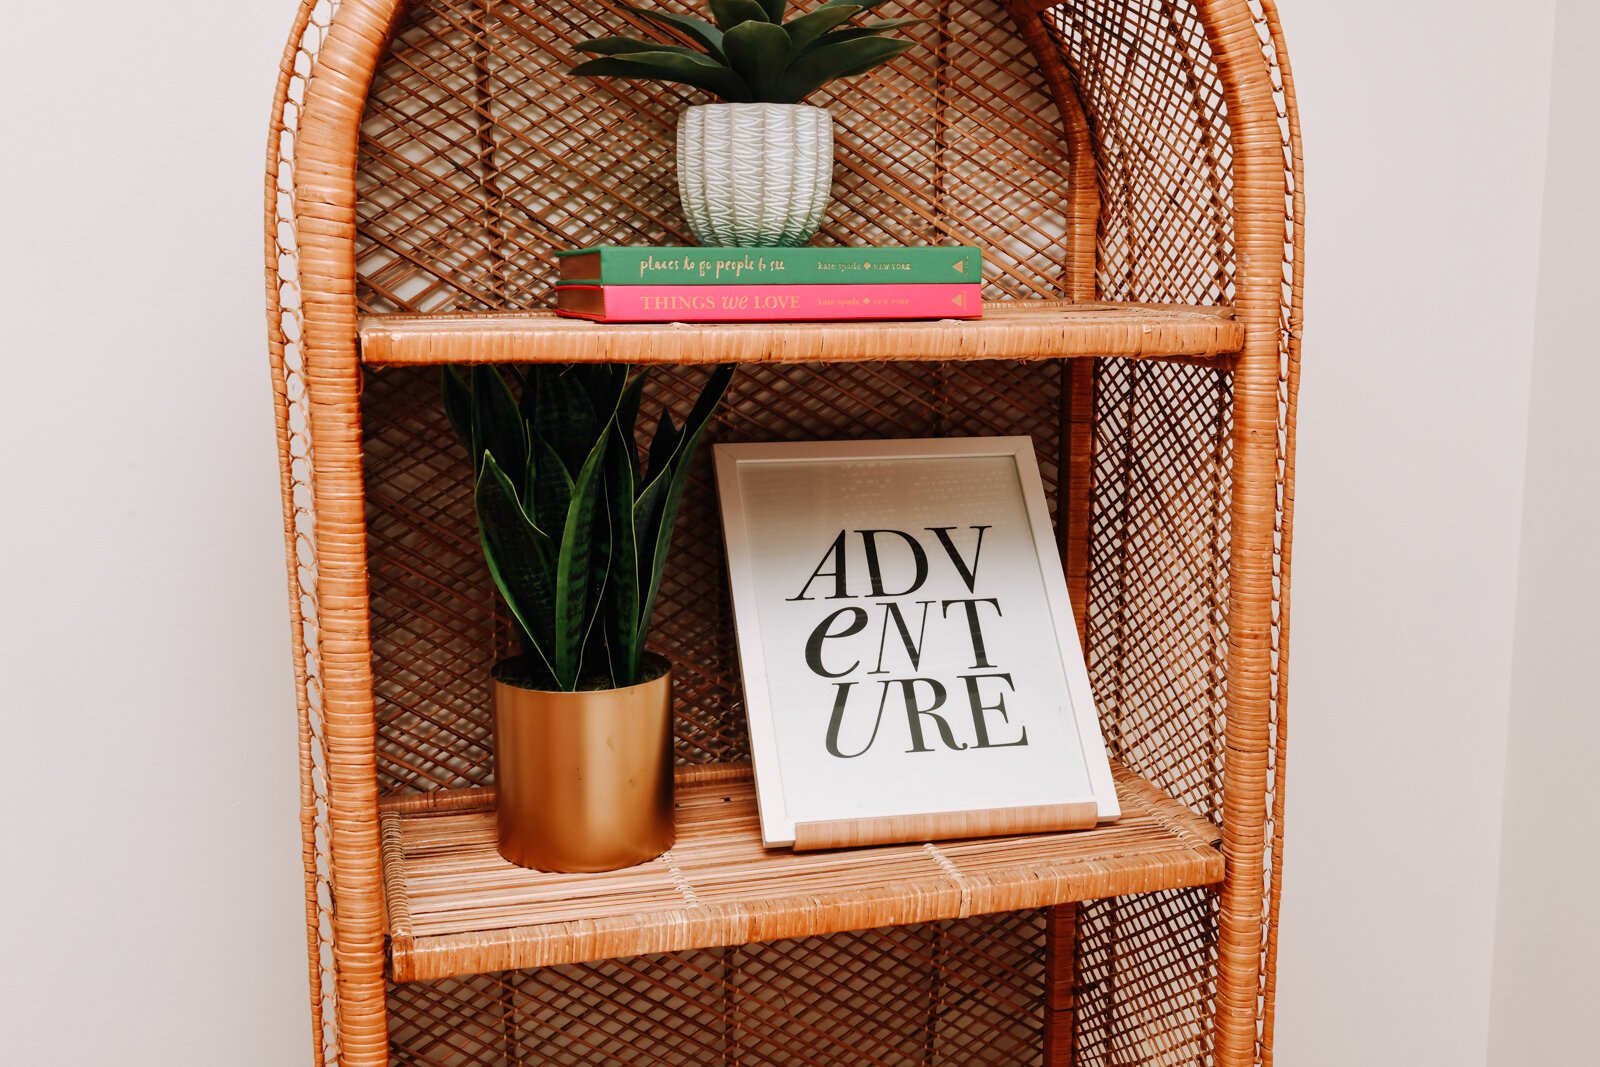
<point>835,556</point>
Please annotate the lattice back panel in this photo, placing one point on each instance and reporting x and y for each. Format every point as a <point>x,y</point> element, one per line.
<point>434,627</point>
<point>1154,97</point>
<point>1159,525</point>
<point>1157,643</point>
<point>480,157</point>
<point>953,994</point>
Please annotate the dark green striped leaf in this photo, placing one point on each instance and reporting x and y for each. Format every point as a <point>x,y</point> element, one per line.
<point>521,562</point>
<point>572,607</point>
<point>496,426</point>
<point>696,29</point>
<point>807,28</point>
<point>731,13</point>
<point>856,33</point>
<point>549,492</point>
<point>841,60</point>
<point>623,46</point>
<point>758,52</point>
<point>674,479</point>
<point>669,67</point>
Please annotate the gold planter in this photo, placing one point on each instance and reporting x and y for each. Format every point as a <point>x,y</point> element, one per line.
<point>583,780</point>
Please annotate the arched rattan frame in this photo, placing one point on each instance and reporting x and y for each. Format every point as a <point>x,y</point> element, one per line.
<point>311,203</point>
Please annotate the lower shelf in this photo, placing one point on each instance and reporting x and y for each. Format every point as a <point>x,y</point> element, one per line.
<point>455,907</point>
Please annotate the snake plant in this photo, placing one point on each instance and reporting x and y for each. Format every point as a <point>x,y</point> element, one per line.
<point>574,528</point>
<point>748,53</point>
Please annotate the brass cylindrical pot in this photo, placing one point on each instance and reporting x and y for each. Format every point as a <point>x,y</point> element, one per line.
<point>583,780</point>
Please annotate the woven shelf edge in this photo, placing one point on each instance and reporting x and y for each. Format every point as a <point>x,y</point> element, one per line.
<point>1013,330</point>
<point>944,890</point>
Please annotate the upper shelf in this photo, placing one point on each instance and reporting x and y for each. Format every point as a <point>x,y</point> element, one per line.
<point>455,907</point>
<point>1031,329</point>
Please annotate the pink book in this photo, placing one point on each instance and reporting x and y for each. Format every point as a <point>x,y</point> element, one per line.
<point>768,303</point>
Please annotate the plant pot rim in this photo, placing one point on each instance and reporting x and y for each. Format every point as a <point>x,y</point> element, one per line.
<point>650,658</point>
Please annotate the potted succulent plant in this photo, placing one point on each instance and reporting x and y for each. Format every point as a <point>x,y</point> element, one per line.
<point>758,169</point>
<point>575,530</point>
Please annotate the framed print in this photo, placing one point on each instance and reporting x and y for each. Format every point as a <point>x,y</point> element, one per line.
<point>910,661</point>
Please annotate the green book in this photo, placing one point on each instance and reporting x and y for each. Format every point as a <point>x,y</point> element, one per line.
<point>619,265</point>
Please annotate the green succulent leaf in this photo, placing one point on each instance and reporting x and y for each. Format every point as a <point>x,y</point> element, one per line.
<point>807,28</point>
<point>731,13</point>
<point>653,494</point>
<point>549,486</point>
<point>842,60</point>
<point>496,427</point>
<point>758,52</point>
<point>662,446</point>
<point>604,384</point>
<point>884,26</point>
<point>674,479</point>
<point>564,414</point>
<point>871,59</point>
<point>700,72</point>
<point>596,648</point>
<point>628,417</point>
<point>521,562</point>
<point>625,46</point>
<point>775,9</point>
<point>647,511</point>
<point>624,647</point>
<point>528,405</point>
<point>856,33</point>
<point>696,29</point>
<point>573,614</point>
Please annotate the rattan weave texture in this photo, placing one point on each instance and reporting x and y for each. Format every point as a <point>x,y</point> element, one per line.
<point>431,156</point>
<point>455,907</point>
<point>1010,329</point>
<point>952,993</point>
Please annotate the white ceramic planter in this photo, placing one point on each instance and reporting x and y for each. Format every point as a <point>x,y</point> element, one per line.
<point>755,174</point>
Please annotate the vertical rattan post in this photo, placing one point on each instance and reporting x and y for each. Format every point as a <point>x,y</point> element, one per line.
<point>1293,315</point>
<point>1077,414</point>
<point>1060,984</point>
<point>283,299</point>
<point>325,206</point>
<point>1258,196</point>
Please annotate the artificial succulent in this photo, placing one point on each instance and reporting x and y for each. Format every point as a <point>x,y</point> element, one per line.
<point>748,53</point>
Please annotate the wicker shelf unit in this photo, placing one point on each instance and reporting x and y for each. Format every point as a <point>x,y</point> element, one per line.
<point>1131,169</point>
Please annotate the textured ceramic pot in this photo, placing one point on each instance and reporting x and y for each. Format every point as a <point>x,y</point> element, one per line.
<point>755,174</point>
<point>583,781</point>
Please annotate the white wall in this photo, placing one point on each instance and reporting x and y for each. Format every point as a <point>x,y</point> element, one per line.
<point>1424,130</point>
<point>152,906</point>
<point>152,909</point>
<point>1546,984</point>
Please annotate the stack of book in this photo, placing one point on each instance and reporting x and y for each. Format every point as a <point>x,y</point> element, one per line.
<point>623,284</point>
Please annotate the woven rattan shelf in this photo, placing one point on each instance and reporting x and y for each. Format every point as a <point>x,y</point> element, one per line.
<point>1031,329</point>
<point>455,907</point>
